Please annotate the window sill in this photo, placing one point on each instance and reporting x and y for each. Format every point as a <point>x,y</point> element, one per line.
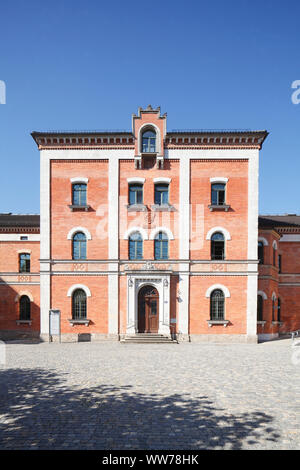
<point>261,322</point>
<point>217,322</point>
<point>136,208</point>
<point>24,322</point>
<point>163,207</point>
<point>217,207</point>
<point>277,323</point>
<point>74,207</point>
<point>78,321</point>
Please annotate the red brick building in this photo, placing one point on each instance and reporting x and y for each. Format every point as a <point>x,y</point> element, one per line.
<point>152,232</point>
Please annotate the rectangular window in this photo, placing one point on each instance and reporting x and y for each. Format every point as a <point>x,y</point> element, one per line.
<point>79,195</point>
<point>218,194</point>
<point>135,194</point>
<point>161,194</point>
<point>24,263</point>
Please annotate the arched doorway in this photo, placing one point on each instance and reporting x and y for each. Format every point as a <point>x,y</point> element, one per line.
<point>148,310</point>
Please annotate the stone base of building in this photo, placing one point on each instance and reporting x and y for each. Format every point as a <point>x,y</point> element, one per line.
<point>224,338</point>
<point>11,335</point>
<point>267,337</point>
<point>79,337</point>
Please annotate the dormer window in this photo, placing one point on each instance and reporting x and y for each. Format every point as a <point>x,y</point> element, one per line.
<point>149,141</point>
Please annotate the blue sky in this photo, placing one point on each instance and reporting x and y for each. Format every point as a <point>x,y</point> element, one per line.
<point>209,65</point>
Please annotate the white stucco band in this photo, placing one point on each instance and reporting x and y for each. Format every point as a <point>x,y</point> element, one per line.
<point>25,292</point>
<point>218,229</point>
<point>224,289</point>
<point>79,286</point>
<point>79,229</point>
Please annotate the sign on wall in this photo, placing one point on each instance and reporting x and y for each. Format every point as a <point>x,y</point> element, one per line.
<point>54,323</point>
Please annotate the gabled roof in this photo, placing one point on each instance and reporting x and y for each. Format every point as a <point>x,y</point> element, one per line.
<point>277,221</point>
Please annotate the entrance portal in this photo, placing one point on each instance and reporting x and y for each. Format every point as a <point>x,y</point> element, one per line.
<point>148,310</point>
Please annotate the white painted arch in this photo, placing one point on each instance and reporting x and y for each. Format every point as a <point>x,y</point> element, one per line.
<point>79,179</point>
<point>143,128</point>
<point>274,296</point>
<point>224,289</point>
<point>28,252</point>
<point>165,230</point>
<point>24,292</point>
<point>263,240</point>
<point>132,230</point>
<point>274,245</point>
<point>218,229</point>
<point>262,294</point>
<point>162,180</point>
<point>79,229</point>
<point>219,179</point>
<point>136,179</point>
<point>79,286</point>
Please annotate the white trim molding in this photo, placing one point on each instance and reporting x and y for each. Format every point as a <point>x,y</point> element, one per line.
<point>79,179</point>
<point>136,179</point>
<point>219,179</point>
<point>224,289</point>
<point>28,252</point>
<point>262,294</point>
<point>218,229</point>
<point>166,230</point>
<point>25,292</point>
<point>162,180</point>
<point>79,229</point>
<point>274,297</point>
<point>79,286</point>
<point>132,230</point>
<point>263,240</point>
<point>274,245</point>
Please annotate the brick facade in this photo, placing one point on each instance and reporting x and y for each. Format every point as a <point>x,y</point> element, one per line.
<point>196,295</point>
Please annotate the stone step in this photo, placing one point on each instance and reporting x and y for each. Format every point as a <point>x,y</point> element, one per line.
<point>147,338</point>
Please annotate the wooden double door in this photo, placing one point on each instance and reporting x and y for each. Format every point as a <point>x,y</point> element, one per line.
<point>148,310</point>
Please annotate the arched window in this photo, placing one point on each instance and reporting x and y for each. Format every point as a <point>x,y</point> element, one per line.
<point>279,310</point>
<point>161,194</point>
<point>149,142</point>
<point>161,246</point>
<point>79,246</point>
<point>274,255</point>
<point>79,194</point>
<point>135,246</point>
<point>273,309</point>
<point>135,193</point>
<point>24,263</point>
<point>261,252</point>
<point>217,304</point>
<point>24,308</point>
<point>217,246</point>
<point>78,304</point>
<point>260,303</point>
<point>218,194</point>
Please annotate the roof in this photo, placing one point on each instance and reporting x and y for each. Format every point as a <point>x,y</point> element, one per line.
<point>273,221</point>
<point>19,220</point>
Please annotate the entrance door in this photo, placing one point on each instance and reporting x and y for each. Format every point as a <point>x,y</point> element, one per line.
<point>148,310</point>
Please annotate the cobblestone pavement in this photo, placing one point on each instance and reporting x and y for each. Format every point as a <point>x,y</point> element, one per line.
<point>136,396</point>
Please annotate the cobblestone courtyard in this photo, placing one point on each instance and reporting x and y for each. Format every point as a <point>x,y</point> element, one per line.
<point>114,396</point>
